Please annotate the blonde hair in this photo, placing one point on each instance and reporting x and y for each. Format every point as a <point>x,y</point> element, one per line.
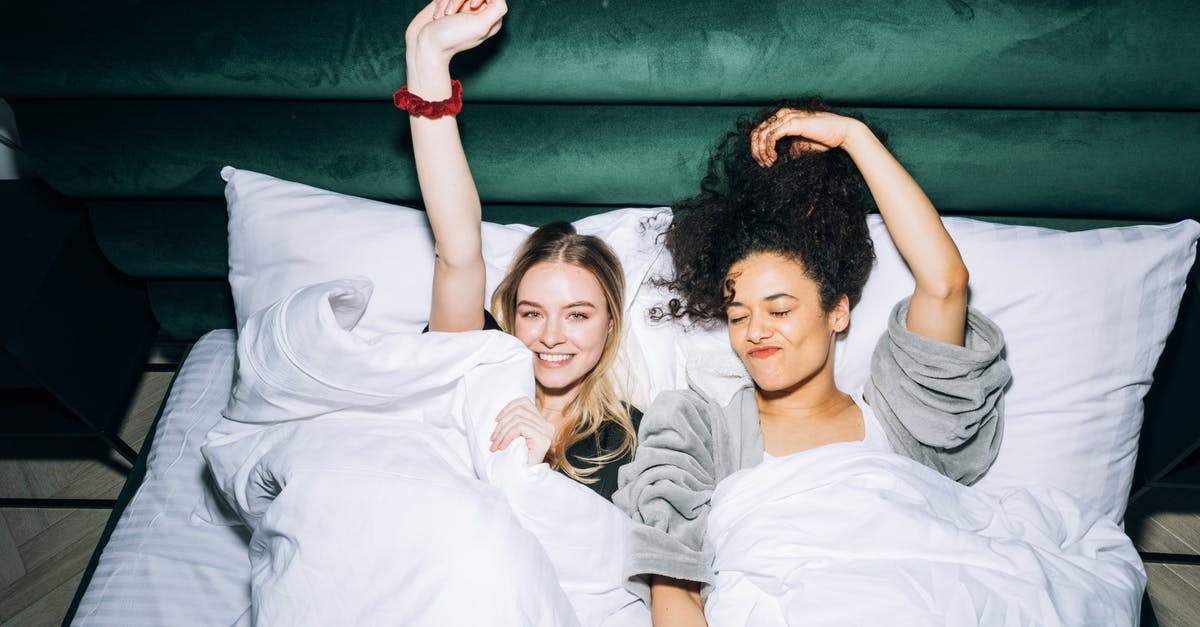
<point>599,396</point>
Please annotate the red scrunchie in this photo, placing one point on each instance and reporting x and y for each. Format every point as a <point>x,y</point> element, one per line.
<point>420,107</point>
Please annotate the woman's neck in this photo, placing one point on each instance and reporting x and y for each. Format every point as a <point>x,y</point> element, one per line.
<point>553,404</point>
<point>812,398</point>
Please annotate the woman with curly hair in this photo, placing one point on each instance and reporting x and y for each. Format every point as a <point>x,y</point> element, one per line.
<point>777,246</point>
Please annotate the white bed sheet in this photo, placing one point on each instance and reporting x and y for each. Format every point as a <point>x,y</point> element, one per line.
<point>163,565</point>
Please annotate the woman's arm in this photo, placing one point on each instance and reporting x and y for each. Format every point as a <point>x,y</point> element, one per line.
<point>447,188</point>
<point>666,490</point>
<point>939,303</point>
<point>676,603</point>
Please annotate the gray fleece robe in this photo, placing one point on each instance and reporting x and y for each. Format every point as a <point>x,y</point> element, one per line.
<point>939,404</point>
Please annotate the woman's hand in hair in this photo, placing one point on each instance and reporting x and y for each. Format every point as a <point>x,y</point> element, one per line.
<point>521,418</point>
<point>814,131</point>
<point>446,27</point>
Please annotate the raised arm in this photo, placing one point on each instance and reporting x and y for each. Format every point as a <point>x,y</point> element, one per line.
<point>441,30</point>
<point>939,303</point>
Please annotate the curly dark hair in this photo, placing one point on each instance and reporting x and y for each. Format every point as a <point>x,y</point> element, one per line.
<point>810,207</point>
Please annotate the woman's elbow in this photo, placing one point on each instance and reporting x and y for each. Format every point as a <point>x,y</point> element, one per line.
<point>456,261</point>
<point>949,285</point>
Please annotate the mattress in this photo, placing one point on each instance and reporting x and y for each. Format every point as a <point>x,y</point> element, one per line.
<point>164,564</point>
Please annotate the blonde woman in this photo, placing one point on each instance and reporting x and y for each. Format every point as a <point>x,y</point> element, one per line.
<point>563,292</point>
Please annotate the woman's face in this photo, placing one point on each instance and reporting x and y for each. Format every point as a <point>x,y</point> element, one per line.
<point>563,318</point>
<point>776,324</point>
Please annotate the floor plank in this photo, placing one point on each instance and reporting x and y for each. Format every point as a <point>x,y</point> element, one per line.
<point>24,524</point>
<point>12,567</point>
<point>65,566</point>
<point>62,537</point>
<point>1157,537</point>
<point>48,610</point>
<point>1175,600</point>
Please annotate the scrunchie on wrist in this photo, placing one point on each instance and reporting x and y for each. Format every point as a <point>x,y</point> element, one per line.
<point>418,106</point>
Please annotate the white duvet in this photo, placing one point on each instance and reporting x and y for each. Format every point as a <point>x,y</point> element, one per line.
<point>843,535</point>
<point>362,469</point>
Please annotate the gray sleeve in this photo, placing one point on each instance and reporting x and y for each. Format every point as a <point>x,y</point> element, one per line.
<point>941,404</point>
<point>666,489</point>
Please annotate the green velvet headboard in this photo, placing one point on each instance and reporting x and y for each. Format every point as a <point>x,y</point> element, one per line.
<point>1070,115</point>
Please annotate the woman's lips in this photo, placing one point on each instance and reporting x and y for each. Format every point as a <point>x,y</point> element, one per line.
<point>553,360</point>
<point>763,353</point>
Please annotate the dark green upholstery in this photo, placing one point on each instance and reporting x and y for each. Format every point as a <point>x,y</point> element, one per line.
<point>998,161</point>
<point>1120,54</point>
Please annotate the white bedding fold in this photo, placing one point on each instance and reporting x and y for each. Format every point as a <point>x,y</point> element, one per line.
<point>842,535</point>
<point>363,470</point>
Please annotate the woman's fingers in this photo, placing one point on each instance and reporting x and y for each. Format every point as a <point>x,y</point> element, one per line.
<point>536,439</point>
<point>537,433</point>
<point>764,137</point>
<point>520,424</point>
<point>444,8</point>
<point>763,142</point>
<point>515,410</point>
<point>521,418</point>
<point>814,132</point>
<point>448,7</point>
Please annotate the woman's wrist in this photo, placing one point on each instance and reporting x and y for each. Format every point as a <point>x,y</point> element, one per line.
<point>428,77</point>
<point>858,137</point>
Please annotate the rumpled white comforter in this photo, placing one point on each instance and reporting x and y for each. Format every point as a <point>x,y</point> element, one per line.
<point>843,535</point>
<point>363,470</point>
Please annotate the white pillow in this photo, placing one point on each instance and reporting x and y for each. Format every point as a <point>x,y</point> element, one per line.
<point>1085,316</point>
<point>285,235</point>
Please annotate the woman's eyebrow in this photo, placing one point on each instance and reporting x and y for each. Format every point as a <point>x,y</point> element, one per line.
<point>772,297</point>
<point>578,303</point>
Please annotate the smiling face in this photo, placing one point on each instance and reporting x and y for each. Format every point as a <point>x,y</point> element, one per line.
<point>777,326</point>
<point>562,317</point>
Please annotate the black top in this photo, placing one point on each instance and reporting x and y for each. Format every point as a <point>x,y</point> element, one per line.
<point>489,323</point>
<point>607,438</point>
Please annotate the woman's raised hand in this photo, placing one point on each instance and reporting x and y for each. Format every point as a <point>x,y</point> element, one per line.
<point>521,418</point>
<point>447,27</point>
<point>938,309</point>
<point>814,131</point>
<point>450,7</point>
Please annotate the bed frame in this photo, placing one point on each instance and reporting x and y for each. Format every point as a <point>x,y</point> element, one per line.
<point>1071,117</point>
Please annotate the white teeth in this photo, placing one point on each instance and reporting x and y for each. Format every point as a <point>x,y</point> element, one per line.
<point>552,357</point>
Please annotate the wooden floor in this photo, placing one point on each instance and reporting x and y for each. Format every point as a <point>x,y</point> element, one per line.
<point>43,552</point>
